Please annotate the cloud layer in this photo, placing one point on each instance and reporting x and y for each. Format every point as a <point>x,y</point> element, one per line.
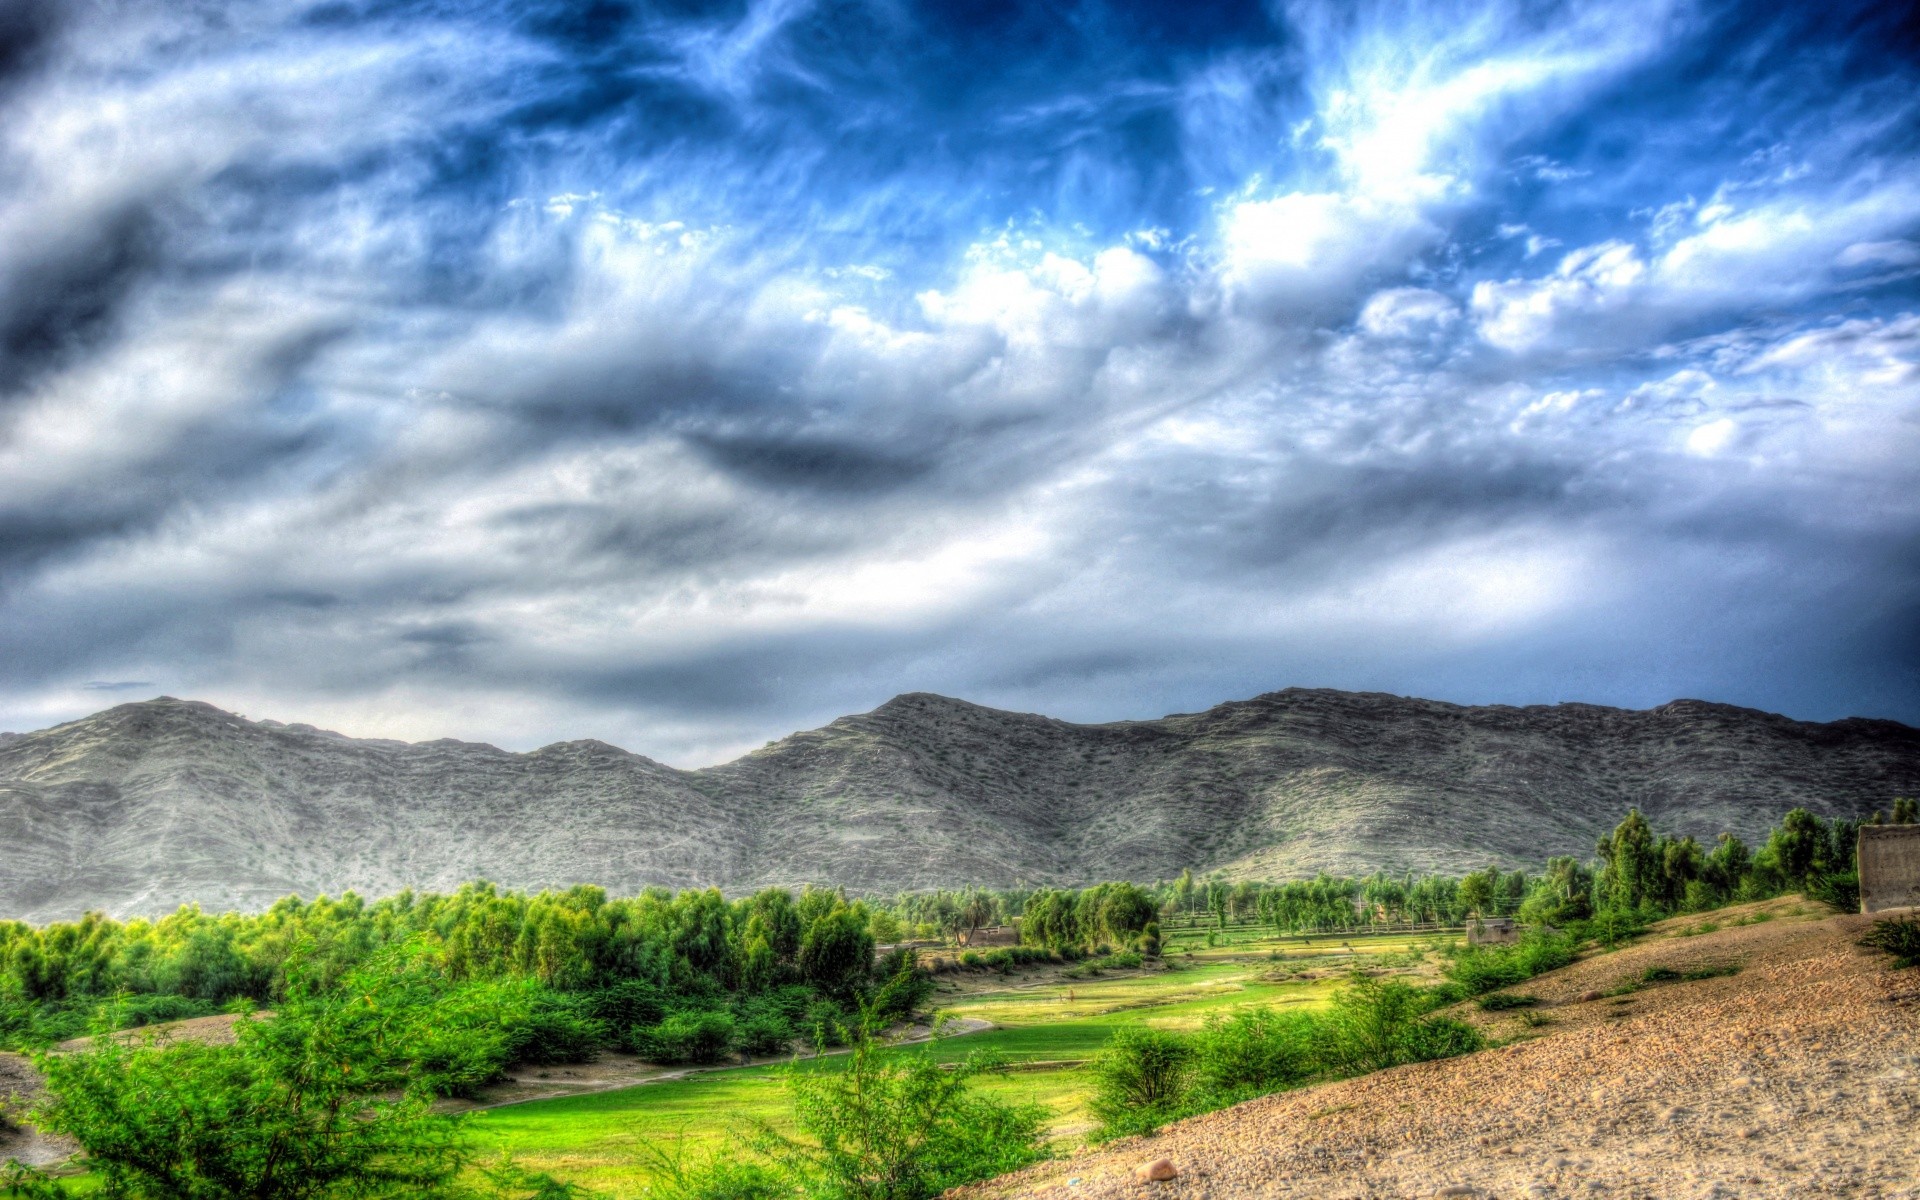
<point>683,375</point>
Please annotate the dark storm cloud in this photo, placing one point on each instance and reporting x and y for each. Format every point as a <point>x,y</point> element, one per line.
<point>681,374</point>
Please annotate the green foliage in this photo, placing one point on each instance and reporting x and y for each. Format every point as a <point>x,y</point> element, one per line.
<point>1838,890</point>
<point>905,1127</point>
<point>330,1097</point>
<point>1376,1023</point>
<point>556,1028</point>
<point>906,986</point>
<point>836,953</point>
<point>1502,1001</point>
<point>1489,968</point>
<point>1900,938</point>
<point>1145,1077</point>
<point>692,1036</point>
<point>1250,1052</point>
<point>1140,1080</point>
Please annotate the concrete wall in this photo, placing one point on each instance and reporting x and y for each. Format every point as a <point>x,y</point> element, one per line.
<point>1492,931</point>
<point>1889,867</point>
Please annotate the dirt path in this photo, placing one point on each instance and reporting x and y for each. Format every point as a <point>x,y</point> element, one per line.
<point>1798,1076</point>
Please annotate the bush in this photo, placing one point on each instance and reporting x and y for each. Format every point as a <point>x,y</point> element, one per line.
<point>137,1012</point>
<point>256,1118</point>
<point>764,1035</point>
<point>1379,1023</point>
<point>906,987</point>
<point>625,1008</point>
<point>1838,890</point>
<point>824,1023</point>
<point>907,1128</point>
<point>688,1037</point>
<point>556,1029</point>
<point>1502,1001</point>
<point>1140,1080</point>
<point>1251,1052</point>
<point>1900,938</point>
<point>1489,968</point>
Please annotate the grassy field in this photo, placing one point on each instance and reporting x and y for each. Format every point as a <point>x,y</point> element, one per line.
<point>1046,1024</point>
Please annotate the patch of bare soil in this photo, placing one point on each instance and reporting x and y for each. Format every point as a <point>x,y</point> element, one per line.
<point>216,1030</point>
<point>19,1088</point>
<point>1799,1076</point>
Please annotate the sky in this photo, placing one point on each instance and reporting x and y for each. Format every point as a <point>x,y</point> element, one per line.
<point>682,375</point>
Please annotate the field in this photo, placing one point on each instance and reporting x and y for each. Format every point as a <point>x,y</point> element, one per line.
<point>1045,1024</point>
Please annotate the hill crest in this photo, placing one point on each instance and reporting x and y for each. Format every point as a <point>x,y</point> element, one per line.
<point>154,803</point>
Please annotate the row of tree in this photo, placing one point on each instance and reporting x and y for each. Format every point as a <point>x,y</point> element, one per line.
<point>1635,869</point>
<point>694,950</point>
<point>698,944</point>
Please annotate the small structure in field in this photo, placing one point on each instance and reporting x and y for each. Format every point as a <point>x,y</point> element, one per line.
<point>1889,858</point>
<point>1492,931</point>
<point>995,935</point>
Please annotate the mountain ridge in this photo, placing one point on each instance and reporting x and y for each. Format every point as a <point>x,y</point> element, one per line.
<point>146,805</point>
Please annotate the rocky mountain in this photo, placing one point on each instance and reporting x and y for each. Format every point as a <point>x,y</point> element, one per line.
<point>149,805</point>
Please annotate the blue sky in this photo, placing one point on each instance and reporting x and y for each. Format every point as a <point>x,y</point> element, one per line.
<point>684,374</point>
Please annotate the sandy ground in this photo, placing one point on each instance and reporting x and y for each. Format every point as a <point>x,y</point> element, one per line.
<point>1798,1076</point>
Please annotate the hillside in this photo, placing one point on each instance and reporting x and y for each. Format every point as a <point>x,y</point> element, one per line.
<point>1797,1076</point>
<point>149,805</point>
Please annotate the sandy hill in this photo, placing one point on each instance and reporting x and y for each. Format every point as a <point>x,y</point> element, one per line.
<point>1797,1076</point>
<point>149,805</point>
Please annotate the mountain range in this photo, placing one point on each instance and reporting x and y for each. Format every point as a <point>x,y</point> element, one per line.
<point>150,805</point>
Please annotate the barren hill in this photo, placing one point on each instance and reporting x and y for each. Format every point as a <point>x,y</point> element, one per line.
<point>149,805</point>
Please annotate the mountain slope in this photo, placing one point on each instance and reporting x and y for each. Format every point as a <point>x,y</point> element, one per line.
<point>148,805</point>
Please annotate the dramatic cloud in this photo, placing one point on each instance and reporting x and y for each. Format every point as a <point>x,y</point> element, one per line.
<point>682,375</point>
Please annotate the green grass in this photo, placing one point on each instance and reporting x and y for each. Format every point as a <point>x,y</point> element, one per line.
<point>1047,1026</point>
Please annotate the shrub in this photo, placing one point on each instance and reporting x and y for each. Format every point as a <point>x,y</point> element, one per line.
<point>1501,1001</point>
<point>688,1037</point>
<point>1489,968</point>
<point>764,1034</point>
<point>1251,1052</point>
<point>256,1118</point>
<point>556,1029</point>
<point>1900,938</point>
<point>136,1012</point>
<point>1379,1023</point>
<point>626,1007</point>
<point>1659,975</point>
<point>906,988</point>
<point>1140,1080</point>
<point>823,1024</point>
<point>1838,890</point>
<point>906,1128</point>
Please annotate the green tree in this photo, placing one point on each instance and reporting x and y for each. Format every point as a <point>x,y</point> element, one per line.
<point>836,953</point>
<point>1630,858</point>
<point>330,1097</point>
<point>1477,890</point>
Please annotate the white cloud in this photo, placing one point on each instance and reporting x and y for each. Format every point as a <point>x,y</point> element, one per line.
<point>1520,315</point>
<point>1408,313</point>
